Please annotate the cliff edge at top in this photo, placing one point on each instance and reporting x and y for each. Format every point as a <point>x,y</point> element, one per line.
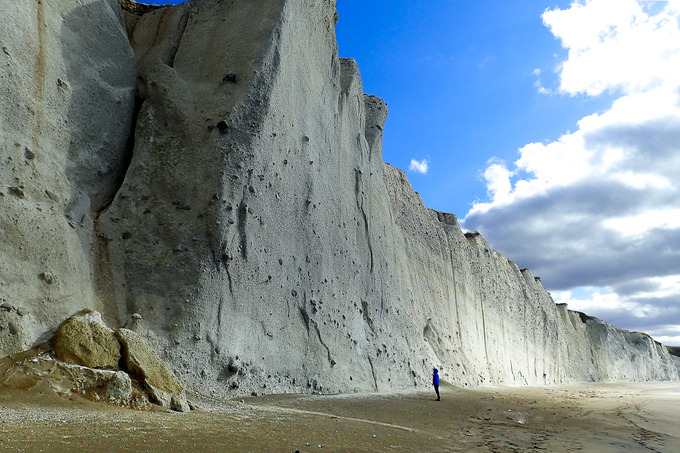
<point>210,176</point>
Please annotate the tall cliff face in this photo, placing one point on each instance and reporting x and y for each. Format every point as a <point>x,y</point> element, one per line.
<point>257,231</point>
<point>67,97</point>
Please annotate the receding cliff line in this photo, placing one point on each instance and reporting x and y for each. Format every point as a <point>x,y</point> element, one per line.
<point>257,240</point>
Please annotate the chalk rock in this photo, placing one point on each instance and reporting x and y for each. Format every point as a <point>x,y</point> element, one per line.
<point>674,351</point>
<point>119,387</point>
<point>254,229</point>
<point>676,360</point>
<point>84,339</point>
<point>285,240</point>
<point>67,102</point>
<point>37,366</point>
<point>11,328</point>
<point>144,364</point>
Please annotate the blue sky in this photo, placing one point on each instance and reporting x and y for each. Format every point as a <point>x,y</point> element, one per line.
<point>550,126</point>
<point>458,80</point>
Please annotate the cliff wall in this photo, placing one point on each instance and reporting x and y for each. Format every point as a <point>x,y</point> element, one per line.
<point>241,211</point>
<point>67,103</point>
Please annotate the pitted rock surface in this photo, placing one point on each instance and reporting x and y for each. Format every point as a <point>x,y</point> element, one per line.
<point>210,175</point>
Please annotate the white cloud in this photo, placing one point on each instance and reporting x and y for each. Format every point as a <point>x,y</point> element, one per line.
<point>596,301</point>
<point>419,167</point>
<point>497,179</point>
<point>539,84</point>
<point>599,208</point>
<point>616,45</point>
<point>637,225</point>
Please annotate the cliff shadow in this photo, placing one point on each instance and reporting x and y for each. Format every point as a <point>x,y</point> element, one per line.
<point>100,85</point>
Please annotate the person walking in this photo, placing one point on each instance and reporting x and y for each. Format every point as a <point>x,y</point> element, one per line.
<point>435,382</point>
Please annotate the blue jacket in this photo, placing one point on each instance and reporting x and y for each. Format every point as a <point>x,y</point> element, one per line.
<point>435,377</point>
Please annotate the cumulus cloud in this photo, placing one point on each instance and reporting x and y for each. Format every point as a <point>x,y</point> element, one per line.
<point>420,166</point>
<point>615,44</point>
<point>596,212</point>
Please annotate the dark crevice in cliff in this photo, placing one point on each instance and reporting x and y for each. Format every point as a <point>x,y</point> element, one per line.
<point>359,196</point>
<point>585,318</point>
<point>241,227</point>
<point>525,297</point>
<point>221,259</point>
<point>219,315</point>
<point>182,27</point>
<point>318,334</point>
<point>367,318</point>
<point>136,10</point>
<point>484,331</point>
<point>455,295</point>
<point>305,318</point>
<point>126,161</point>
<point>375,380</point>
<point>228,272</point>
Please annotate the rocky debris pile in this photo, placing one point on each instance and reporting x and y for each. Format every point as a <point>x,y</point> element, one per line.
<point>87,358</point>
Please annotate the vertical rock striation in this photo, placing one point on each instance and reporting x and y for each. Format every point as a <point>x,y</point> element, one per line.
<point>67,95</point>
<point>258,239</point>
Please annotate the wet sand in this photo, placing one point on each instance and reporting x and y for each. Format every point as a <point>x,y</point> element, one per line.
<point>590,418</point>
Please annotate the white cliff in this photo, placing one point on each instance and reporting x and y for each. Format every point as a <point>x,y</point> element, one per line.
<point>67,102</point>
<point>257,238</point>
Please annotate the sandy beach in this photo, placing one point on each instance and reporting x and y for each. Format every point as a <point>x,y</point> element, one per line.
<point>589,418</point>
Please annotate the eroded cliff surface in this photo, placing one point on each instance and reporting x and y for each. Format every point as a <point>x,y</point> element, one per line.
<point>67,97</point>
<point>257,236</point>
